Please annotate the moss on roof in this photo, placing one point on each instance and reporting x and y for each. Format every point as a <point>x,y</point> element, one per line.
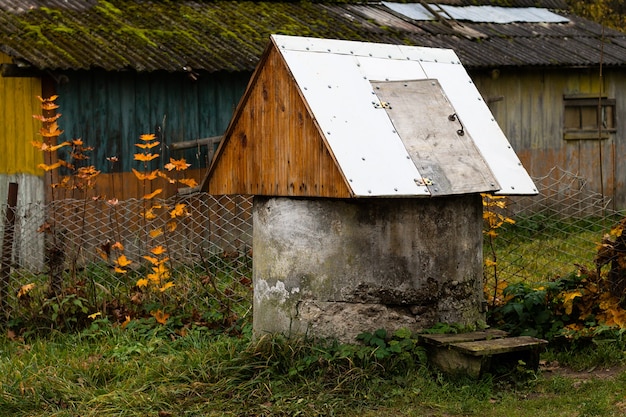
<point>220,35</point>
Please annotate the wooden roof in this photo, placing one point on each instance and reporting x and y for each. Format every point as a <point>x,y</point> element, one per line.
<point>330,118</point>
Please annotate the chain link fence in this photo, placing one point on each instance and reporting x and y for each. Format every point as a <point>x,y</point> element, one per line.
<point>554,231</point>
<point>70,250</point>
<point>91,256</point>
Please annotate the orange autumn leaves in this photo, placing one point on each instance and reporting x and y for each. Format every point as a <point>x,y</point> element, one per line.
<point>160,277</point>
<point>147,144</point>
<point>81,178</point>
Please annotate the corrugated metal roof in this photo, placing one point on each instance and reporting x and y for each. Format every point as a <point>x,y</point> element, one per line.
<point>202,35</point>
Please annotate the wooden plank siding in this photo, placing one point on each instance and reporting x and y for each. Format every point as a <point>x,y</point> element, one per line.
<point>110,111</point>
<point>531,114</point>
<point>18,128</point>
<point>274,146</point>
<point>125,185</point>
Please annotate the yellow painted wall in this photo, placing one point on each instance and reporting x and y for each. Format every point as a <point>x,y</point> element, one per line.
<point>18,128</point>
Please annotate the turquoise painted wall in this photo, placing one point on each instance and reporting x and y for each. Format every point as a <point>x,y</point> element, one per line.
<point>109,111</point>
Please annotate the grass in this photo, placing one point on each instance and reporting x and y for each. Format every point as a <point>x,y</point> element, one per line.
<point>541,248</point>
<point>145,371</point>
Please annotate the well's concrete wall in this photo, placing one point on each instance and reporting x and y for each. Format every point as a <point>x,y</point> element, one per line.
<point>337,268</point>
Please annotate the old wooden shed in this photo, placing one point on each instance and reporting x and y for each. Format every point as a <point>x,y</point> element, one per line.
<point>367,162</point>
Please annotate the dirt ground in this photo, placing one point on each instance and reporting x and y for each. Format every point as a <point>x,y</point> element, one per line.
<point>551,369</point>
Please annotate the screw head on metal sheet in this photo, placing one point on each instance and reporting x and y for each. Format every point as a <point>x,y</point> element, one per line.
<point>423,181</point>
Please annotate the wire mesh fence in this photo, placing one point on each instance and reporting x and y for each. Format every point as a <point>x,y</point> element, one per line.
<point>65,257</point>
<point>553,232</point>
<point>192,254</point>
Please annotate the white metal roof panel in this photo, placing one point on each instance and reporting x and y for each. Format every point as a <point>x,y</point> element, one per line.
<point>478,14</point>
<point>498,14</point>
<point>413,11</point>
<point>335,79</point>
<point>360,136</point>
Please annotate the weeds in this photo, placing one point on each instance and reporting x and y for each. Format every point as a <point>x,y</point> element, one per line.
<point>142,370</point>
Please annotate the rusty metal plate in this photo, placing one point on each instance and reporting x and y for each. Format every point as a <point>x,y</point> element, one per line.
<point>443,152</point>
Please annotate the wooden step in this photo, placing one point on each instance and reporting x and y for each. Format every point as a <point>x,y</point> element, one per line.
<point>444,339</point>
<point>478,353</point>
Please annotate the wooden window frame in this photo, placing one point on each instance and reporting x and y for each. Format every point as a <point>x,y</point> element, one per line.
<point>590,131</point>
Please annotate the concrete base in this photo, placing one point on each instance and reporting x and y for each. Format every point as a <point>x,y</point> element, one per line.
<point>337,268</point>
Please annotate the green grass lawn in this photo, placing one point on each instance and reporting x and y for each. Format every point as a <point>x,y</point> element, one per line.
<point>109,371</point>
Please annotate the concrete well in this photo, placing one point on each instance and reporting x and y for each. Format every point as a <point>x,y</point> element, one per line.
<point>340,267</point>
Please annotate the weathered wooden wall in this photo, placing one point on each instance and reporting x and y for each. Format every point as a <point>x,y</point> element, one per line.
<point>528,105</point>
<point>274,146</point>
<point>19,160</point>
<point>18,128</point>
<point>109,111</point>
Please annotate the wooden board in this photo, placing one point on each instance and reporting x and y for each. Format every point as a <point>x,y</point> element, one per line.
<point>498,346</point>
<point>448,338</point>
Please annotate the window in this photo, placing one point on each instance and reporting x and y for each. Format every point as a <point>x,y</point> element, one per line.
<point>581,116</point>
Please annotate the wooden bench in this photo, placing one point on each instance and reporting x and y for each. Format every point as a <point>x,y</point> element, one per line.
<point>478,353</point>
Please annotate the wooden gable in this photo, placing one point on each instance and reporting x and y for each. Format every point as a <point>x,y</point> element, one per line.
<point>273,145</point>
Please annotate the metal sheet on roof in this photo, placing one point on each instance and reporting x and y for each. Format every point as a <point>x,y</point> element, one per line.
<point>334,77</point>
<point>477,119</point>
<point>478,14</point>
<point>413,11</point>
<point>501,15</point>
<point>360,135</point>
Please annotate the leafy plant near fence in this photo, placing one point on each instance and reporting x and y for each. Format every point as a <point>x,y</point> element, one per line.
<point>586,305</point>
<point>493,219</point>
<point>150,287</point>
